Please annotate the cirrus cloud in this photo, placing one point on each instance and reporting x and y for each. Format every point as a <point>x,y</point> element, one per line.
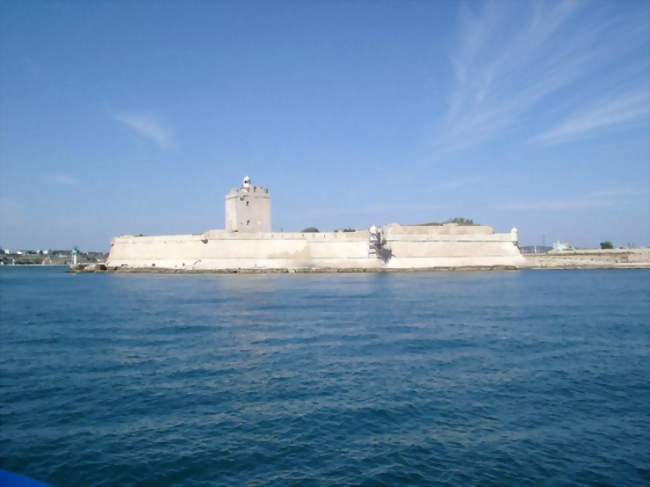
<point>148,127</point>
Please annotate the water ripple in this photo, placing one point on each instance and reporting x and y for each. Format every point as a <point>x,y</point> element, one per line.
<point>414,379</point>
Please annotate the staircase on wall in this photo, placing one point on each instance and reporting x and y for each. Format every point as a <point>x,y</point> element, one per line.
<point>377,245</point>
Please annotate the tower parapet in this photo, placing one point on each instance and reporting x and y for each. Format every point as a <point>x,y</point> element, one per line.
<point>248,208</point>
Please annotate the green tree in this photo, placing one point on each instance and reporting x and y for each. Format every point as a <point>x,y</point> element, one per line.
<point>459,220</point>
<point>310,230</point>
<point>606,245</point>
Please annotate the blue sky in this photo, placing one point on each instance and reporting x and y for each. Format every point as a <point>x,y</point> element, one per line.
<point>137,117</point>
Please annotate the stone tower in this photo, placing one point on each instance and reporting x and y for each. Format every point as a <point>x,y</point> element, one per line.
<point>248,208</point>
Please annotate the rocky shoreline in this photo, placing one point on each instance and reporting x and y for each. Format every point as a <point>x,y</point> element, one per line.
<point>591,259</point>
<point>568,260</point>
<point>100,268</point>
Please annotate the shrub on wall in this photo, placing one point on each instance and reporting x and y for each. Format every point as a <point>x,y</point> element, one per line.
<point>459,220</point>
<point>606,245</point>
<point>310,230</point>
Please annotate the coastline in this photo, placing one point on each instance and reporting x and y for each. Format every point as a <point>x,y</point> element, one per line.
<point>591,259</point>
<point>308,270</point>
<point>571,260</point>
<point>11,266</point>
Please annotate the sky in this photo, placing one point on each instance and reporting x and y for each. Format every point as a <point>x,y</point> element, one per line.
<point>137,117</point>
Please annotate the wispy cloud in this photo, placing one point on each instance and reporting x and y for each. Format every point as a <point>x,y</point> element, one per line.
<point>455,184</point>
<point>148,127</point>
<point>12,219</point>
<point>370,210</point>
<point>557,205</point>
<point>63,180</point>
<point>512,57</point>
<point>603,198</point>
<point>623,109</point>
<point>623,192</point>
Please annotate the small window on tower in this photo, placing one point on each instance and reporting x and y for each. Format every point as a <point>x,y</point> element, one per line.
<point>248,222</point>
<point>247,203</point>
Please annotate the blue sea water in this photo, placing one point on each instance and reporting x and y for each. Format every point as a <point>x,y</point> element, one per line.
<point>479,378</point>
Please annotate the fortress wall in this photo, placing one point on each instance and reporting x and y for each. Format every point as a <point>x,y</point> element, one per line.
<point>451,246</point>
<point>220,250</point>
<point>316,236</point>
<point>414,249</point>
<point>495,237</point>
<point>434,230</point>
<point>489,251</point>
<point>224,250</point>
<point>461,262</point>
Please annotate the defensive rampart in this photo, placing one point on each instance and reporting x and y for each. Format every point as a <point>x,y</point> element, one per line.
<point>393,247</point>
<point>450,246</point>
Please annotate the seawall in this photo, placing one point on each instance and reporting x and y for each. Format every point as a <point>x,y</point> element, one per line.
<point>591,259</point>
<point>399,247</point>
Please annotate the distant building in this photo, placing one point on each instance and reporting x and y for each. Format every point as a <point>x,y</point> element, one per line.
<point>562,246</point>
<point>248,209</point>
<point>534,249</point>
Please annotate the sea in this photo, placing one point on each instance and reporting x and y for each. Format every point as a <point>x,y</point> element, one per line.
<point>519,378</point>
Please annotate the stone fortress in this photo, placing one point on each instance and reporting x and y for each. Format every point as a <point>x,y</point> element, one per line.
<point>248,244</point>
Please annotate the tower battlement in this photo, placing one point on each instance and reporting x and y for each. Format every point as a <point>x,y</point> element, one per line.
<point>248,208</point>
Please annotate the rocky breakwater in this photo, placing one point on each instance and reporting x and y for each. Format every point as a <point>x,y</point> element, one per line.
<point>591,259</point>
